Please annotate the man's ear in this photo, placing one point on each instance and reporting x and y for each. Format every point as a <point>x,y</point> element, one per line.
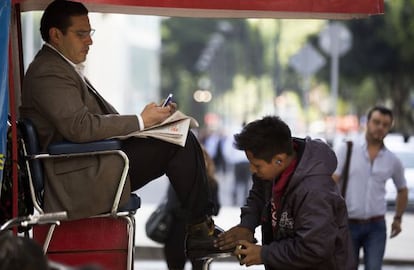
<point>54,35</point>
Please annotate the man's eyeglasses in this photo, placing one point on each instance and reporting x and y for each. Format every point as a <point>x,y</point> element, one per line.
<point>84,34</point>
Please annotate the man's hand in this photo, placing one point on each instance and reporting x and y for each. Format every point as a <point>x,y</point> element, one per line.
<point>401,203</point>
<point>250,253</point>
<point>395,228</point>
<point>230,238</point>
<point>154,114</point>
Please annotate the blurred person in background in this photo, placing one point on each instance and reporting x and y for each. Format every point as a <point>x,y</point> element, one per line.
<point>371,164</point>
<point>214,142</point>
<point>240,166</point>
<point>242,178</point>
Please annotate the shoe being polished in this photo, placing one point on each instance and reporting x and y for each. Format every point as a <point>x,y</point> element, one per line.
<point>200,240</point>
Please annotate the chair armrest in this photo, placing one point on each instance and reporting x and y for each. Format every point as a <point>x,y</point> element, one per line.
<point>72,148</point>
<point>103,147</point>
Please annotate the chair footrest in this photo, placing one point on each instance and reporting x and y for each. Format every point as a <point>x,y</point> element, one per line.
<point>213,256</point>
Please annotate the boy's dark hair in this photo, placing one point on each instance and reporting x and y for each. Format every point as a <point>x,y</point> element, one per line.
<point>382,110</point>
<point>58,14</point>
<point>265,138</point>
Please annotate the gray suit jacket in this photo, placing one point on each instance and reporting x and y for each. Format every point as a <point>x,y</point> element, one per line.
<point>61,107</point>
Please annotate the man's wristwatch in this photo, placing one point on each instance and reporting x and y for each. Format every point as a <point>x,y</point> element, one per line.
<point>398,218</point>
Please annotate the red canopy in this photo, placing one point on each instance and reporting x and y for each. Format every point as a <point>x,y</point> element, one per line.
<point>307,9</point>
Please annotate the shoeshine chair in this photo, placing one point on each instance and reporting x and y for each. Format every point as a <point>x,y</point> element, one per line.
<point>108,239</point>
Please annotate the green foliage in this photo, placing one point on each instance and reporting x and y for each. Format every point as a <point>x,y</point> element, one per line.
<point>366,95</point>
<point>252,51</point>
<point>185,41</point>
<point>380,64</point>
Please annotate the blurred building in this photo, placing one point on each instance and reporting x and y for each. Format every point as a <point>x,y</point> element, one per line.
<point>123,62</point>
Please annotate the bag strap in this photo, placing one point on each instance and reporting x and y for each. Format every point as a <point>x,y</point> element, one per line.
<point>345,172</point>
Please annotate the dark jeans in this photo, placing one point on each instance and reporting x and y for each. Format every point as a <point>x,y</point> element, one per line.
<point>371,237</point>
<point>151,158</point>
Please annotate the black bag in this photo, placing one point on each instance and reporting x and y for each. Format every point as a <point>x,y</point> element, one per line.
<point>24,201</point>
<point>159,223</point>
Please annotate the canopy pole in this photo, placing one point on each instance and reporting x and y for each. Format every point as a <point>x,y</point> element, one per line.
<point>16,25</point>
<point>13,137</point>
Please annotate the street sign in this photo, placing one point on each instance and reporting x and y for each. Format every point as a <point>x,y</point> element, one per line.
<point>335,39</point>
<point>307,61</point>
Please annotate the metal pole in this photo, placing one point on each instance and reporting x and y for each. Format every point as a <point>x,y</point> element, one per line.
<point>306,89</point>
<point>334,73</point>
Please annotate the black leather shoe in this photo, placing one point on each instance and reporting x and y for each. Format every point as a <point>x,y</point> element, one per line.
<point>199,243</point>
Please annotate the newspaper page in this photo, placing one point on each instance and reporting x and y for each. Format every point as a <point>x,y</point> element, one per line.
<point>174,129</point>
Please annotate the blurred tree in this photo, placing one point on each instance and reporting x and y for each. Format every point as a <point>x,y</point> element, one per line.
<point>380,64</point>
<point>183,40</point>
<point>230,57</point>
<point>212,48</point>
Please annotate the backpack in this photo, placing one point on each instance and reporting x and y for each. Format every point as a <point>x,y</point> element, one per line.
<point>24,201</point>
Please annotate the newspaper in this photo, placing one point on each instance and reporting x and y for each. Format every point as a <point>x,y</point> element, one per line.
<point>174,129</point>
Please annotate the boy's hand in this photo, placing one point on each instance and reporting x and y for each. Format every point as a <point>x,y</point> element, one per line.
<point>230,238</point>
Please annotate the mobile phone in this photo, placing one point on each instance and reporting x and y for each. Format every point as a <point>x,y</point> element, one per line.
<point>167,100</point>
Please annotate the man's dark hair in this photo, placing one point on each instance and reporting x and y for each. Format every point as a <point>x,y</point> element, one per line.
<point>382,110</point>
<point>58,14</point>
<point>265,138</point>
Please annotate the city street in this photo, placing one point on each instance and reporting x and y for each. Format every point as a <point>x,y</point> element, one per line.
<point>160,265</point>
<point>399,252</point>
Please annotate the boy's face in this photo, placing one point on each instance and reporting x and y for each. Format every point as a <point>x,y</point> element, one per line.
<point>263,169</point>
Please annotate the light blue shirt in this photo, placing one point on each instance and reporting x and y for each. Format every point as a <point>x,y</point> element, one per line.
<point>365,196</point>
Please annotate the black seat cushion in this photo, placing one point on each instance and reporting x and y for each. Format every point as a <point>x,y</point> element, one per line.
<point>70,147</point>
<point>132,205</point>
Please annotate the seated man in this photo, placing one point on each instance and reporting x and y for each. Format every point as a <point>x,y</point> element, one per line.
<point>63,105</point>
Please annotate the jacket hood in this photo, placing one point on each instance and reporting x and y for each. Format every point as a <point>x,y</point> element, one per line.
<point>316,158</point>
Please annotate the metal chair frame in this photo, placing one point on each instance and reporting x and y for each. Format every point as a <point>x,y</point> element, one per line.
<point>74,150</point>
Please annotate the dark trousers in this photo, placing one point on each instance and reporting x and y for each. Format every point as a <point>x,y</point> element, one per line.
<point>184,166</point>
<point>174,246</point>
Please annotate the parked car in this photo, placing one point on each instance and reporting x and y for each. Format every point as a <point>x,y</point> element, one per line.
<point>405,152</point>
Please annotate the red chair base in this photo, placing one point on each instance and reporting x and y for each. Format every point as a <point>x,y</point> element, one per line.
<point>105,241</point>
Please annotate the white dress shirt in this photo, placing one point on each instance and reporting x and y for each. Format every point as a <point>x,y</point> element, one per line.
<point>365,196</point>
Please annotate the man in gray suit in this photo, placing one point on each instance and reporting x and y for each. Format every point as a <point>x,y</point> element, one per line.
<point>63,105</point>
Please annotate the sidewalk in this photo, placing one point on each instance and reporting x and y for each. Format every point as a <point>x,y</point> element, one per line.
<point>399,250</point>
